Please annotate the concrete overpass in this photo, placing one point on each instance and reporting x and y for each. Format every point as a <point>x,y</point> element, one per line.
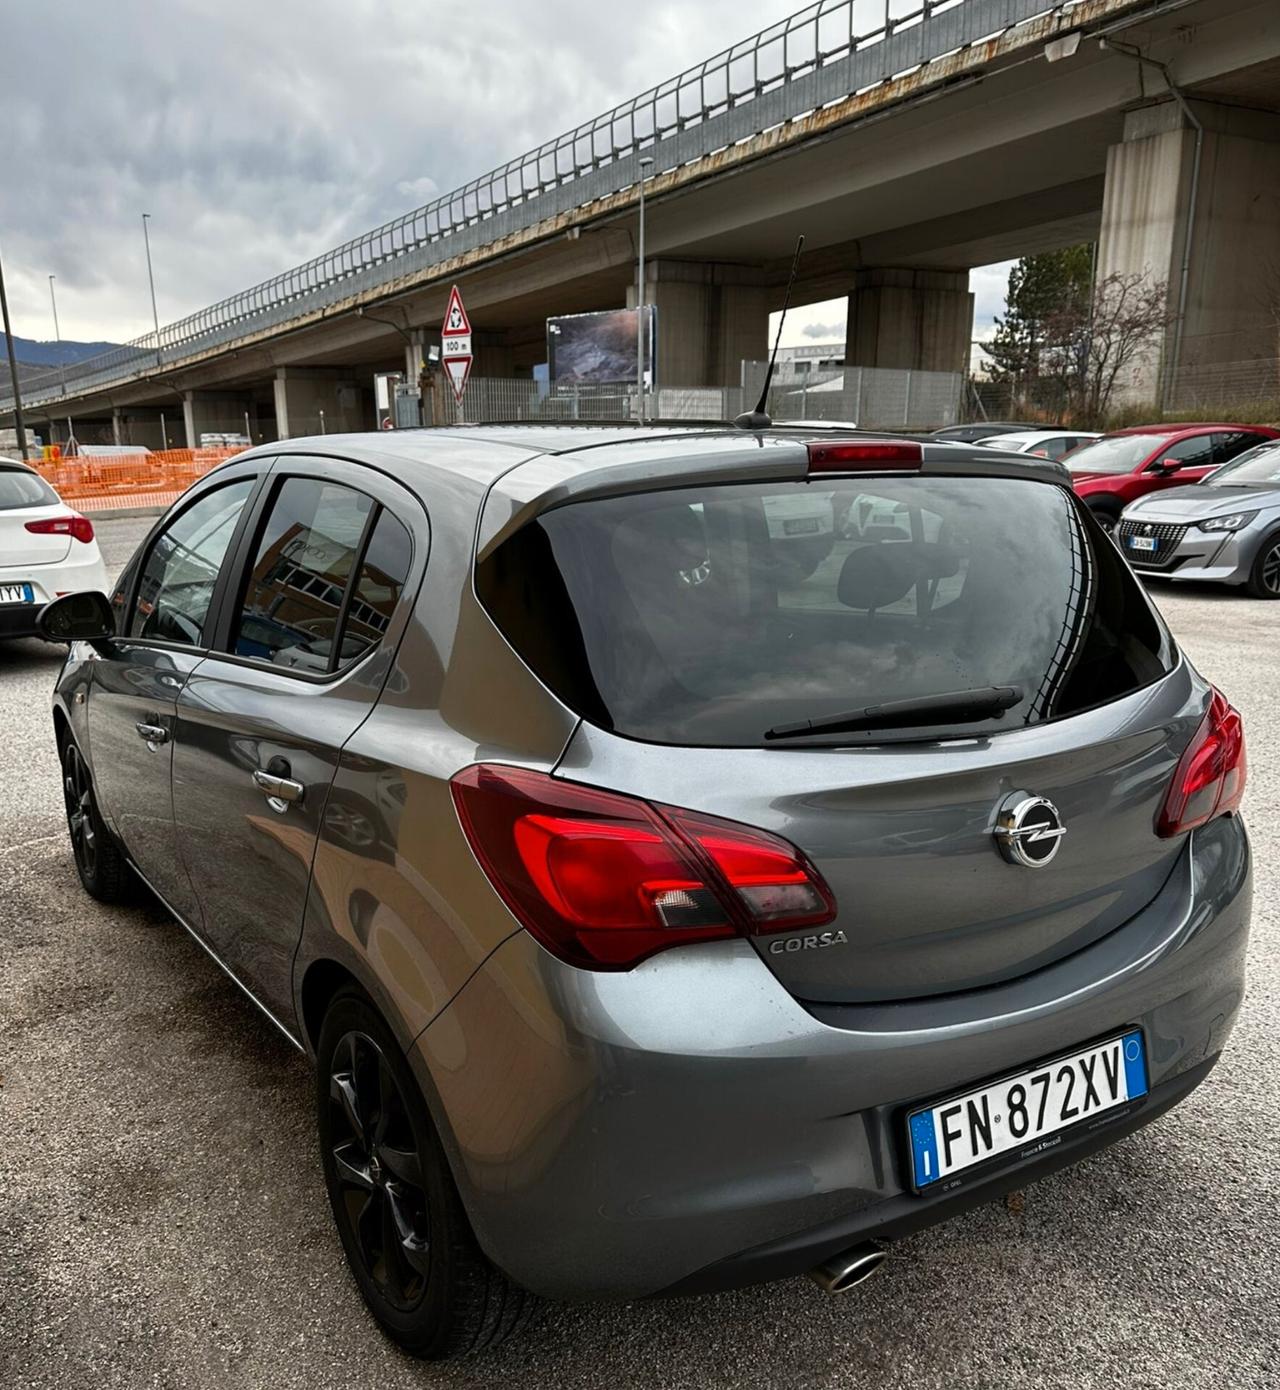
<point>967,132</point>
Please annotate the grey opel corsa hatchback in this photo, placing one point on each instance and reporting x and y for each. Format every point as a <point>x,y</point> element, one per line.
<point>690,857</point>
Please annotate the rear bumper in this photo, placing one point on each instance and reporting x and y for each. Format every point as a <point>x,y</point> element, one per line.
<point>81,570</point>
<point>905,1214</point>
<point>689,1126</point>
<point>18,619</point>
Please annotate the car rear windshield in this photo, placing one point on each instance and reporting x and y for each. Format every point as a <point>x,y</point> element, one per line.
<point>1122,453</point>
<point>19,488</point>
<point>706,616</point>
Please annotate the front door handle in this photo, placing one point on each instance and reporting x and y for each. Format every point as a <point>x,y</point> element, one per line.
<point>279,791</point>
<point>154,734</point>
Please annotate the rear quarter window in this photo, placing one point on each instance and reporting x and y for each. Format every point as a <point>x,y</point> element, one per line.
<point>707,615</point>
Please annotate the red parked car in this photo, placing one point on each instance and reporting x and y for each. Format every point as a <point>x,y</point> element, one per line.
<point>1121,467</point>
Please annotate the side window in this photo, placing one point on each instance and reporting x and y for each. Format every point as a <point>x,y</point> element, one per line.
<point>328,570</point>
<point>182,566</point>
<point>1196,452</point>
<point>1227,446</point>
<point>379,584</point>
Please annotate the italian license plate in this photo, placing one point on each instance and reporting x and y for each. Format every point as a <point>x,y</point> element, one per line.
<point>1017,1115</point>
<point>17,593</point>
<point>1148,543</point>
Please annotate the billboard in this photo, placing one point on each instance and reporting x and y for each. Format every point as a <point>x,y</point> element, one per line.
<point>599,348</point>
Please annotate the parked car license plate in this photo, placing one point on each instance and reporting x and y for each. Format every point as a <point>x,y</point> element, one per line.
<point>17,593</point>
<point>1013,1115</point>
<point>1143,543</point>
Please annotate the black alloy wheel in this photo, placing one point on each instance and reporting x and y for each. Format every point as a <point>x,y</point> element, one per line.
<point>403,1227</point>
<point>78,795</point>
<point>99,860</point>
<point>379,1171</point>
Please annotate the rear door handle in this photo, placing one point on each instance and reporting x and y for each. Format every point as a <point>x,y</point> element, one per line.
<point>154,734</point>
<point>279,791</point>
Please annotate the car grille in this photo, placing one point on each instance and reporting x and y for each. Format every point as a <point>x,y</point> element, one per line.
<point>1166,533</point>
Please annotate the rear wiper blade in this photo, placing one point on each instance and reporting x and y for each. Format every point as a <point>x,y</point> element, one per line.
<point>951,707</point>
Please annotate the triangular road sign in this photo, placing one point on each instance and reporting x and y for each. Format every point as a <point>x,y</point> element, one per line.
<point>459,369</point>
<point>456,323</point>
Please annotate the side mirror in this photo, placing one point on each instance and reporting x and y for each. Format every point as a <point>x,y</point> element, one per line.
<point>1169,465</point>
<point>84,617</point>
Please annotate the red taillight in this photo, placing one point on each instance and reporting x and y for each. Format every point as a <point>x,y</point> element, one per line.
<point>78,527</point>
<point>1210,776</point>
<point>873,455</point>
<point>604,880</point>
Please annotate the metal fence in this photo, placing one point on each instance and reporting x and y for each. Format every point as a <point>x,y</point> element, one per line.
<point>1228,388</point>
<point>820,55</point>
<point>870,397</point>
<point>876,398</point>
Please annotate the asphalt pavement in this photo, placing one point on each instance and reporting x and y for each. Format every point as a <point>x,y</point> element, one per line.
<point>163,1221</point>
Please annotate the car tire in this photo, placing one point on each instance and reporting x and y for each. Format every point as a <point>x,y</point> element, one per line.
<point>1264,577</point>
<point>101,864</point>
<point>1106,517</point>
<point>409,1245</point>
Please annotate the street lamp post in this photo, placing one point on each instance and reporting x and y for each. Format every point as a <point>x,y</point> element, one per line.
<point>155,316</point>
<point>646,163</point>
<point>62,366</point>
<point>19,426</point>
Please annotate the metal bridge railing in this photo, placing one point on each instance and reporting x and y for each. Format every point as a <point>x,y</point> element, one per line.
<point>825,52</point>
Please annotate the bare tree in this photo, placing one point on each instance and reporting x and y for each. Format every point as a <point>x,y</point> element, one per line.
<point>1093,344</point>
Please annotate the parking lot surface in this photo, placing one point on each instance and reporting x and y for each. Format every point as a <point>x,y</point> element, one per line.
<point>163,1221</point>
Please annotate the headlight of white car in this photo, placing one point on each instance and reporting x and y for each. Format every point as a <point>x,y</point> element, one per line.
<point>1227,523</point>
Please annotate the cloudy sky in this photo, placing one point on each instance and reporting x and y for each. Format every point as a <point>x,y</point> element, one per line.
<point>259,133</point>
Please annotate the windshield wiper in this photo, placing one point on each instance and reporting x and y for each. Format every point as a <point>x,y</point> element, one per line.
<point>951,707</point>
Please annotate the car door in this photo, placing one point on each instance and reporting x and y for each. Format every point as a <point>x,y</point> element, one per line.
<point>163,606</point>
<point>303,642</point>
<point>1193,457</point>
<point>1228,444</point>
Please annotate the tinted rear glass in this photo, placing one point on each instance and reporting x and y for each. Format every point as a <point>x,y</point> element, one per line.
<point>706,616</point>
<point>18,488</point>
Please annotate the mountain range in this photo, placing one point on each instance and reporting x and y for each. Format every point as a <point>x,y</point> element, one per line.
<point>31,353</point>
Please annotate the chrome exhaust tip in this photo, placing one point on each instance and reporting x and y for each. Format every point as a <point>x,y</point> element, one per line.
<point>849,1268</point>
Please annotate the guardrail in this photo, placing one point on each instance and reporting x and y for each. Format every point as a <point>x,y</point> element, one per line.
<point>820,55</point>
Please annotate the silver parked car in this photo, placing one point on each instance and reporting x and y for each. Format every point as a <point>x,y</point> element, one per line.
<point>1225,529</point>
<point>689,856</point>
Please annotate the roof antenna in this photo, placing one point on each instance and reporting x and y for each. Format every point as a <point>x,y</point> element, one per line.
<point>757,419</point>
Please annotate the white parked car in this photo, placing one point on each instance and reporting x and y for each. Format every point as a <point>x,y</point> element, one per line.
<point>1044,444</point>
<point>46,549</point>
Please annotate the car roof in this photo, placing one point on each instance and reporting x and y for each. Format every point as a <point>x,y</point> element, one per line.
<point>1033,436</point>
<point>540,464</point>
<point>1188,428</point>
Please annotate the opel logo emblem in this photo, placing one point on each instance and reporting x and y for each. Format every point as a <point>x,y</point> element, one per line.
<point>1029,831</point>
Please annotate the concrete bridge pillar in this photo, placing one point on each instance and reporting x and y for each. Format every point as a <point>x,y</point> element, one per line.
<point>222,412</point>
<point>150,427</point>
<point>1215,246</point>
<point>711,318</point>
<point>920,320</point>
<point>303,393</point>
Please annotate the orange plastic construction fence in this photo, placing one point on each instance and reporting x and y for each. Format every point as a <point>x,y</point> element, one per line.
<point>128,480</point>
